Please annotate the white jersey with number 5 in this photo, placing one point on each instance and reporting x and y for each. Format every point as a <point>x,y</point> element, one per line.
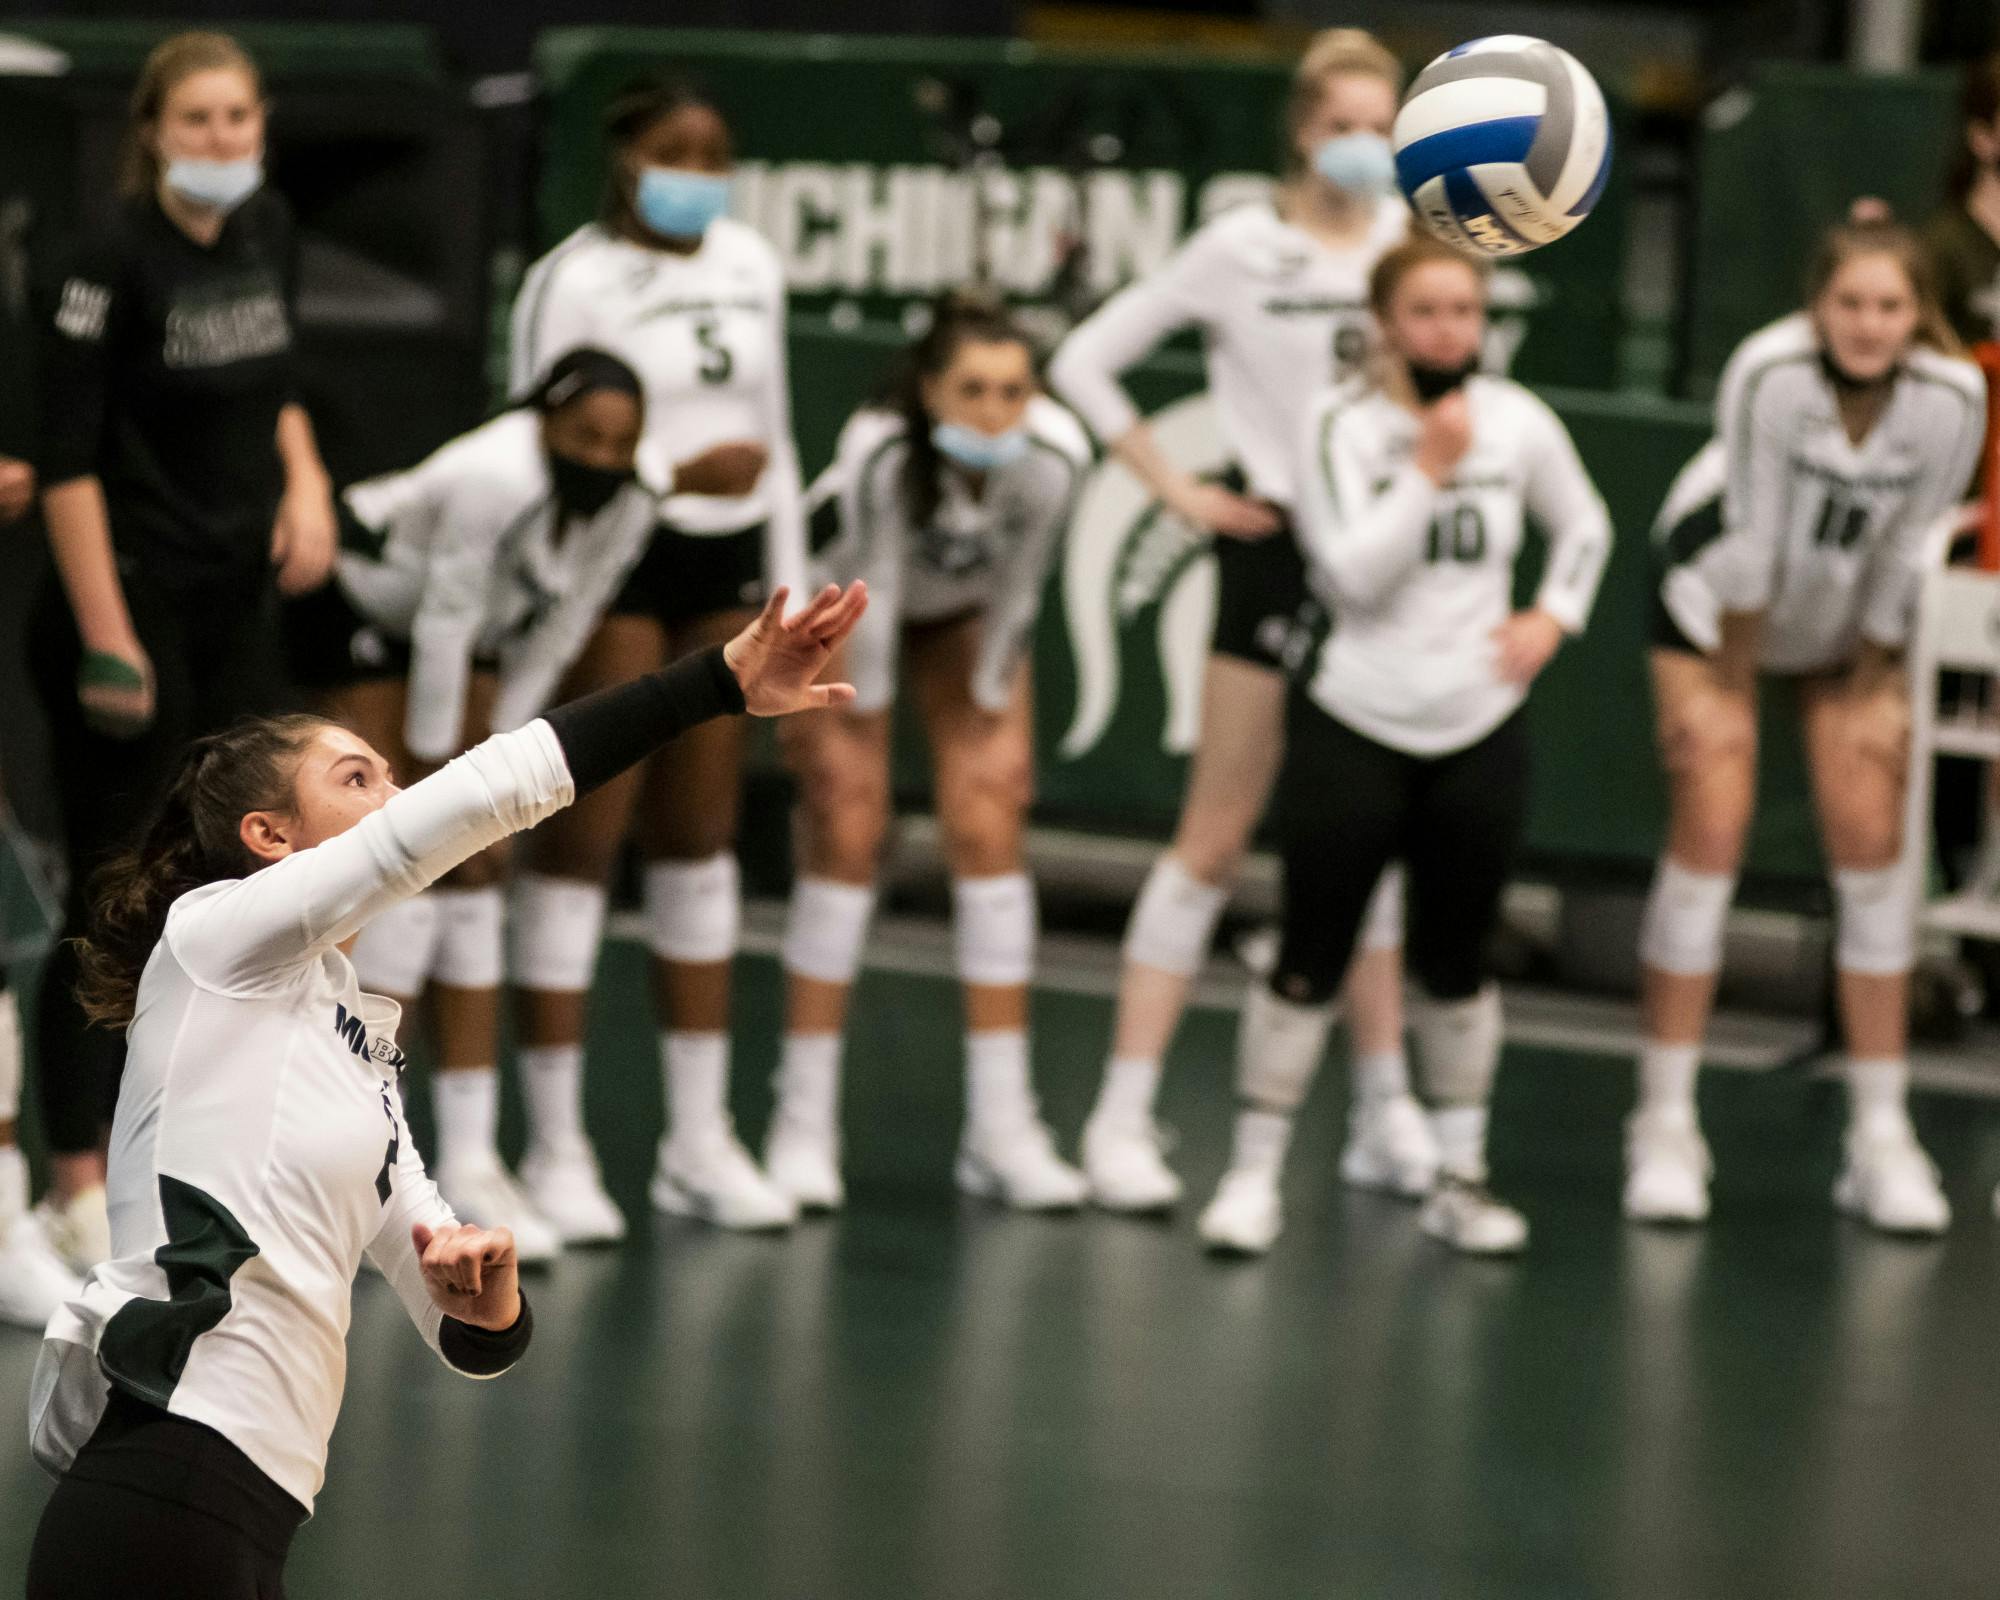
<point>1782,513</point>
<point>1280,313</point>
<point>1419,577</point>
<point>706,334</point>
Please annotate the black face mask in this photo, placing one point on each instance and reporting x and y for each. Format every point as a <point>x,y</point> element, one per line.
<point>1844,383</point>
<point>1434,383</point>
<point>584,490</point>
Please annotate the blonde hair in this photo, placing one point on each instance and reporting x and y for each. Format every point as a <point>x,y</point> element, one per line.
<point>1335,53</point>
<point>171,64</point>
<point>1849,241</point>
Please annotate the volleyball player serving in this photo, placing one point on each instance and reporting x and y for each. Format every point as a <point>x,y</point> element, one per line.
<point>1791,548</point>
<point>1409,741</point>
<point>187,1394</point>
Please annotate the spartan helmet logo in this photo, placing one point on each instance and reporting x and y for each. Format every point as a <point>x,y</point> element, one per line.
<point>1124,553</point>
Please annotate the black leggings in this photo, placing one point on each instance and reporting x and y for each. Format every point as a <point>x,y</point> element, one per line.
<point>1348,806</point>
<point>159,1506</point>
<point>214,655</point>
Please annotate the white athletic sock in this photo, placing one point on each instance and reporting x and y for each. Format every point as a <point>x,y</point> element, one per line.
<point>1125,1099</point>
<point>13,1186</point>
<point>997,1093</point>
<point>809,1081</point>
<point>1878,1095</point>
<point>1381,1075</point>
<point>695,1070</point>
<point>1666,1079</point>
<point>1262,1138</point>
<point>1461,1137</point>
<point>468,1115</point>
<point>552,1079</point>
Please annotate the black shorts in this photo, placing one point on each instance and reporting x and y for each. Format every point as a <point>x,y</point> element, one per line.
<point>331,645</point>
<point>1663,633</point>
<point>683,576</point>
<point>158,1505</point>
<point>1264,612</point>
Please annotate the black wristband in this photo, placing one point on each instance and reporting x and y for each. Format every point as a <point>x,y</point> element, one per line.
<point>481,1352</point>
<point>604,733</point>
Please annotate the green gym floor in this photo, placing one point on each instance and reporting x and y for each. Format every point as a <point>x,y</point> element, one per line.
<point>930,1400</point>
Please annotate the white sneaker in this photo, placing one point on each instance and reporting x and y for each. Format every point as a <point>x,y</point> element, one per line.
<point>1889,1183</point>
<point>711,1176</point>
<point>1667,1168</point>
<point>1390,1146</point>
<point>804,1162</point>
<point>485,1194</point>
<point>79,1232</point>
<point>564,1185</point>
<point>1463,1215</point>
<point>34,1281</point>
<point>1244,1217</point>
<point>1018,1166</point>
<point>1127,1168</point>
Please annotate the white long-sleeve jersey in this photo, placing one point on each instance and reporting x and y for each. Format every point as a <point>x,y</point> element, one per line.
<point>1784,514</point>
<point>1419,577</point>
<point>259,1147</point>
<point>706,334</point>
<point>1281,316</point>
<point>987,552</point>
<point>470,562</point>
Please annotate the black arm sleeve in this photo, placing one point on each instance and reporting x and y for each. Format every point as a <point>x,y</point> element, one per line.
<point>604,733</point>
<point>482,1353</point>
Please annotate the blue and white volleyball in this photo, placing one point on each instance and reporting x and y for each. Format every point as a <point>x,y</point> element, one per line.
<point>1503,145</point>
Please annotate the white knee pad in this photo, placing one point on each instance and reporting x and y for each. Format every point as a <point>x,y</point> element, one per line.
<point>1687,913</point>
<point>10,1056</point>
<point>394,953</point>
<point>826,928</point>
<point>694,909</point>
<point>993,928</point>
<point>1382,923</point>
<point>1458,1045</point>
<point>1279,1044</point>
<point>1174,919</point>
<point>554,931</point>
<point>471,943</point>
<point>1878,921</point>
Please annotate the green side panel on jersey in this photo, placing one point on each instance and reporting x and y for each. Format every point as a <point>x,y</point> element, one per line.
<point>852,179</point>
<point>1780,161</point>
<point>145,1345</point>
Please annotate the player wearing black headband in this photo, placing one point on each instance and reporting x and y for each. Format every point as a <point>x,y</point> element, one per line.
<point>465,586</point>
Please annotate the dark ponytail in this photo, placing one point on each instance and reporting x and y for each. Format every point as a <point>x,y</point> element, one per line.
<point>193,840</point>
<point>958,317</point>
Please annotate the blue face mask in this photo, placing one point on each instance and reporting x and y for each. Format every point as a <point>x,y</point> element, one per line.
<point>677,204</point>
<point>1360,163</point>
<point>976,451</point>
<point>223,185</point>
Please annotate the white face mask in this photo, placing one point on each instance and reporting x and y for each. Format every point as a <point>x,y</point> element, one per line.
<point>220,185</point>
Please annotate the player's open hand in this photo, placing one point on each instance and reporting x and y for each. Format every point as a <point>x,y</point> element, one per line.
<point>777,657</point>
<point>305,537</point>
<point>1525,643</point>
<point>1222,511</point>
<point>470,1274</point>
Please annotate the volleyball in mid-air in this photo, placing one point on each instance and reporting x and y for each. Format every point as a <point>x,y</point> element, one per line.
<point>1503,145</point>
